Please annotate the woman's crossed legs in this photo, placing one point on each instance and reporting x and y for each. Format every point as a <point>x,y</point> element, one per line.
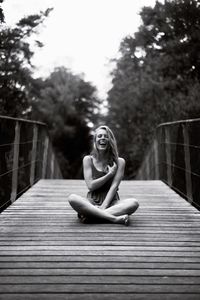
<point>117,213</point>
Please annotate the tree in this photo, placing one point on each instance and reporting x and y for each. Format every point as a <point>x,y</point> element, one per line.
<point>1,13</point>
<point>156,75</point>
<point>67,104</point>
<point>15,63</point>
<point>15,82</point>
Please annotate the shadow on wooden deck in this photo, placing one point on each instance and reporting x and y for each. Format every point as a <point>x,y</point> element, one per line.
<point>46,253</point>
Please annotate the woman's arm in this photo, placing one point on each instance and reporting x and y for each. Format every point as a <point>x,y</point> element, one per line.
<point>94,184</point>
<point>115,184</point>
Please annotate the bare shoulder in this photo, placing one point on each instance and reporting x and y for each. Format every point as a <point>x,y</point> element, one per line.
<point>121,162</point>
<point>87,160</point>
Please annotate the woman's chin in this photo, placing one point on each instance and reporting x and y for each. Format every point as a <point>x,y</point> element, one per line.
<point>102,148</point>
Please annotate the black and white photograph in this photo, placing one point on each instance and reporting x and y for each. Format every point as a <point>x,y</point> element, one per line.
<point>99,149</point>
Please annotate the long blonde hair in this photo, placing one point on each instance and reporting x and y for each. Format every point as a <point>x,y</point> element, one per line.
<point>112,151</point>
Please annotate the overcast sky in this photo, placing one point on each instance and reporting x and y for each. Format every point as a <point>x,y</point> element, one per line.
<point>82,35</point>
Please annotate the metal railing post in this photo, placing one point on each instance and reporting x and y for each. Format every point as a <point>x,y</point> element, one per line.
<point>15,162</point>
<point>27,157</point>
<point>168,156</point>
<point>33,154</point>
<point>45,156</point>
<point>52,166</point>
<point>187,163</point>
<point>156,159</point>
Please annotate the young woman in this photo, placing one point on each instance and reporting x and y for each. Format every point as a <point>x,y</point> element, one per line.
<point>103,171</point>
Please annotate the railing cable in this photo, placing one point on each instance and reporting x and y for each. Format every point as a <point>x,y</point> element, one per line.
<point>29,156</point>
<point>27,187</point>
<point>20,192</point>
<point>25,165</point>
<point>183,169</point>
<point>181,193</point>
<point>174,150</point>
<point>21,143</point>
<point>179,144</point>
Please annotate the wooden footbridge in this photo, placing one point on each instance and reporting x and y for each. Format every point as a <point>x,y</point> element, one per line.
<point>46,253</point>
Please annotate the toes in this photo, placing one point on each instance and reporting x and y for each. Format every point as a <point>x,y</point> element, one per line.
<point>126,221</point>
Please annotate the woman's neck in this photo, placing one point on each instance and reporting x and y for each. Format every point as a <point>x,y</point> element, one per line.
<point>101,162</point>
<point>102,157</point>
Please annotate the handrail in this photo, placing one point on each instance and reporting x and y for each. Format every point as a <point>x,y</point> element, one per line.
<point>174,158</point>
<point>179,122</point>
<point>22,120</point>
<point>26,155</point>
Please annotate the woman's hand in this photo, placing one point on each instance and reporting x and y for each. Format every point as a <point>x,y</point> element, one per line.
<point>112,169</point>
<point>101,206</point>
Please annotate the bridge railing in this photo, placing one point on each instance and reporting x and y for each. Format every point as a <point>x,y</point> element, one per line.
<point>174,157</point>
<point>26,155</point>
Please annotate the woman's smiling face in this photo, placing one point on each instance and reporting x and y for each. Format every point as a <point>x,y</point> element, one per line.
<point>102,139</point>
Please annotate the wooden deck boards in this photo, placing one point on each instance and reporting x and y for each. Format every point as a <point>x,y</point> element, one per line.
<point>46,253</point>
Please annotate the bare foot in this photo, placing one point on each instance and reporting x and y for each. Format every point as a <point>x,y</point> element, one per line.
<point>124,219</point>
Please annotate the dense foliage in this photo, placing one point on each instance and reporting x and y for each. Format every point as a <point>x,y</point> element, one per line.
<point>1,13</point>
<point>15,63</point>
<point>157,77</point>
<point>67,104</point>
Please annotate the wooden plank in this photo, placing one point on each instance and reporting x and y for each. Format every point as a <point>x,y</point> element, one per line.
<point>102,272</point>
<point>95,243</point>
<point>136,239</point>
<point>98,258</point>
<point>98,248</point>
<point>101,296</point>
<point>100,265</point>
<point>99,279</point>
<point>92,288</point>
<point>46,253</point>
<point>102,253</point>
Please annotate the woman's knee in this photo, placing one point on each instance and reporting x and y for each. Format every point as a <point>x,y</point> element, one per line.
<point>135,203</point>
<point>73,199</point>
<point>76,201</point>
<point>132,204</point>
